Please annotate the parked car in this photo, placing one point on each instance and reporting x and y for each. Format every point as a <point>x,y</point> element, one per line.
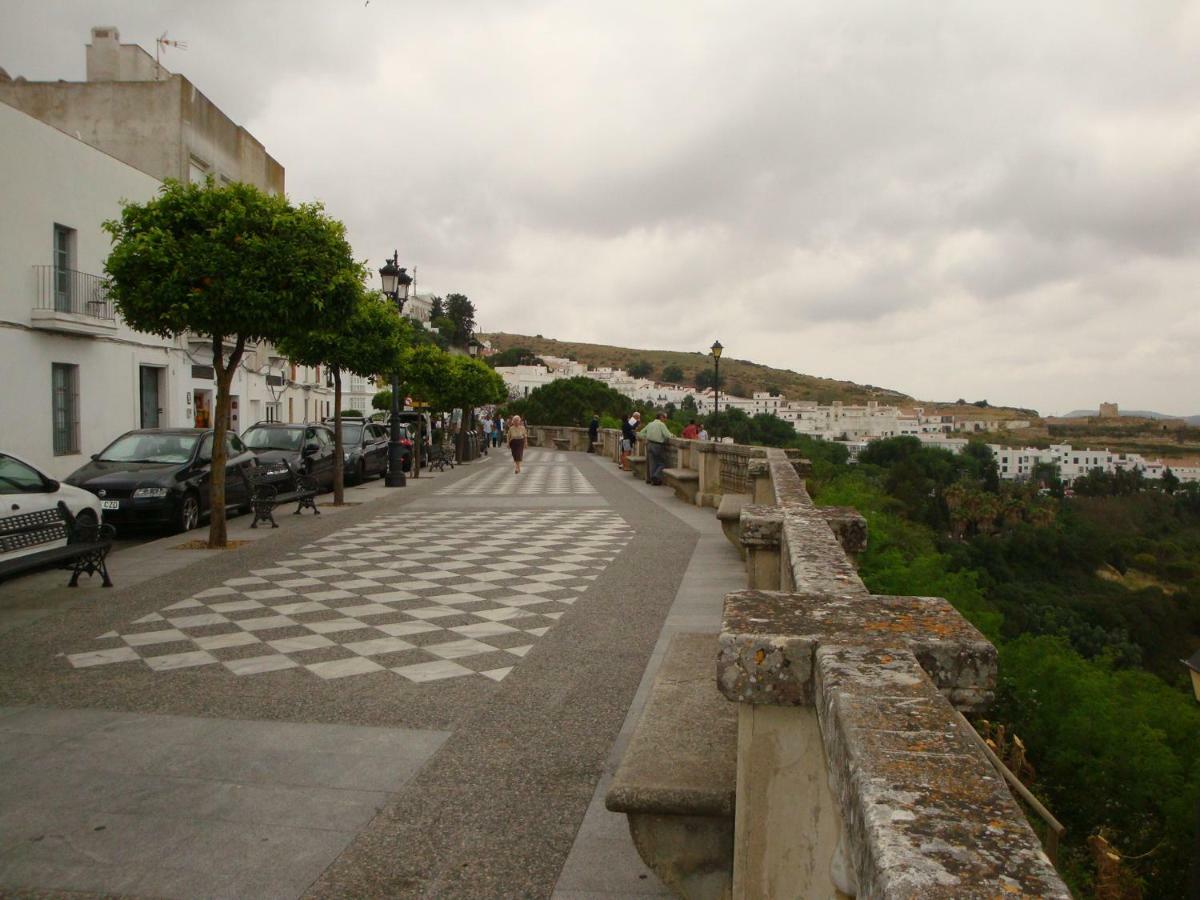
<point>161,476</point>
<point>29,500</point>
<point>285,451</point>
<point>365,449</point>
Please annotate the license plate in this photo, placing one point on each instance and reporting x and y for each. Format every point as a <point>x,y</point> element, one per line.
<point>110,504</point>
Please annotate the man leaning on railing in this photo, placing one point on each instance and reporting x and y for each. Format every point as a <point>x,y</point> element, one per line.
<point>656,434</point>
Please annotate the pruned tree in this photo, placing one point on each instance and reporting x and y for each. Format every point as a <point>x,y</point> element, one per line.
<point>234,264</point>
<point>368,340</point>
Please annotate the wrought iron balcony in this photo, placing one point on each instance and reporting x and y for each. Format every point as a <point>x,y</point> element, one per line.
<point>72,293</point>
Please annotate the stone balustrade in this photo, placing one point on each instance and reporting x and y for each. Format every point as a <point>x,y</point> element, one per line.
<point>854,773</point>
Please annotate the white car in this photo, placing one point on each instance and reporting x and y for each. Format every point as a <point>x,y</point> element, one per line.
<point>29,517</point>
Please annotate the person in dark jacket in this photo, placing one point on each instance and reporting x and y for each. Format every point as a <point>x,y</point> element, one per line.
<point>593,433</point>
<point>629,438</point>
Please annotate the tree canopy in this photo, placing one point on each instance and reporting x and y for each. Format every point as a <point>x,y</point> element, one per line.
<point>572,401</point>
<point>672,374</point>
<point>640,369</point>
<point>236,265</point>
<point>370,339</point>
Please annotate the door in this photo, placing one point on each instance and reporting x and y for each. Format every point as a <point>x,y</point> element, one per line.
<point>378,448</point>
<point>148,384</point>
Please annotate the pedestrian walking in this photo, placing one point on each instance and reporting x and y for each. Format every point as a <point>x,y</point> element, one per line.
<point>656,435</point>
<point>629,438</point>
<point>488,425</point>
<point>516,442</point>
<point>498,433</point>
<point>593,433</point>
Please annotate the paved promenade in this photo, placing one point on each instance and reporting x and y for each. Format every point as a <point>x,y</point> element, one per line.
<point>421,695</point>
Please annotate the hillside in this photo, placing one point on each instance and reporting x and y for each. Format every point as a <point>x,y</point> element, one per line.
<point>740,376</point>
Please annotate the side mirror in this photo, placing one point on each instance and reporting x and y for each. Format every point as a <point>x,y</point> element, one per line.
<point>52,486</point>
<point>310,448</point>
<point>95,456</point>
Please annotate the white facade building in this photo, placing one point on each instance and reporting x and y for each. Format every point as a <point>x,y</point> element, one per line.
<point>1017,463</point>
<point>78,375</point>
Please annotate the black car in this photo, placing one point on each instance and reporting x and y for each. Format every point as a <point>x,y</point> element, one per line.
<point>160,476</point>
<point>365,449</point>
<point>285,451</point>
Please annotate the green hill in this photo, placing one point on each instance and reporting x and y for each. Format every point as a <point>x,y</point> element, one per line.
<point>742,377</point>
<point>739,376</point>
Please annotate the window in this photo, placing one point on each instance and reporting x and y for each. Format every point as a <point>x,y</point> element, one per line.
<point>18,478</point>
<point>64,383</point>
<point>64,266</point>
<point>197,170</point>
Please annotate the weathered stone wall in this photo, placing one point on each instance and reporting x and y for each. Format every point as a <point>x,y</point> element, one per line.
<point>921,810</point>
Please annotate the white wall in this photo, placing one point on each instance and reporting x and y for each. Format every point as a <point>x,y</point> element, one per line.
<point>47,177</point>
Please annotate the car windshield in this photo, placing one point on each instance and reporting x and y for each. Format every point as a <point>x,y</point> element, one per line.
<point>151,448</point>
<point>352,432</point>
<point>268,438</point>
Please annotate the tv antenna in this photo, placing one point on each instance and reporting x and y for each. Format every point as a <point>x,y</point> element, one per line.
<point>160,47</point>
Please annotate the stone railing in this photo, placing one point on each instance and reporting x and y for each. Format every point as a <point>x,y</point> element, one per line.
<point>855,774</point>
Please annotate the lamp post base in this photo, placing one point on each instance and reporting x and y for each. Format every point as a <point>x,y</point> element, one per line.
<point>396,479</point>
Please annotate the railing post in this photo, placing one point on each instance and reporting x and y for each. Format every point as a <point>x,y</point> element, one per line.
<point>709,465</point>
<point>761,532</point>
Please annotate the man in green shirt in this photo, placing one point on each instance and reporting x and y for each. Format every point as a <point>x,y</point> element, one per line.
<point>656,434</point>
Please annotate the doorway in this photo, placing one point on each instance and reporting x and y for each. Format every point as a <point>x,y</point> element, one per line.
<point>150,393</point>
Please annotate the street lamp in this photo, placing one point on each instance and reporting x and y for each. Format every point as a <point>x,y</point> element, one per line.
<point>716,355</point>
<point>395,286</point>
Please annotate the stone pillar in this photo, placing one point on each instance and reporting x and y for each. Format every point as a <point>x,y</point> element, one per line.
<point>906,805</point>
<point>708,463</point>
<point>761,534</point>
<point>761,489</point>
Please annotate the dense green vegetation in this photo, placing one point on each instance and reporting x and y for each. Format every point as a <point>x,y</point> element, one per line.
<point>1092,601</point>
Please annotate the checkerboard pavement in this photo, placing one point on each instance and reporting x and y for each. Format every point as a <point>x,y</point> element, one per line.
<point>455,593</point>
<point>542,472</point>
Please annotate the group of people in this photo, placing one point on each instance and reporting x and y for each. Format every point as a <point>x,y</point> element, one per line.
<point>656,435</point>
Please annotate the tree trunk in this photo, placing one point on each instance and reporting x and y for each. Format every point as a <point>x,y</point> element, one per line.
<point>339,468</point>
<point>217,535</point>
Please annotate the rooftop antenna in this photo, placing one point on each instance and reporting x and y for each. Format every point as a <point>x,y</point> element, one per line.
<point>160,47</point>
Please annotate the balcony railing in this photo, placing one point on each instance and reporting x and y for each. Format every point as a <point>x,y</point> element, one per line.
<point>76,293</point>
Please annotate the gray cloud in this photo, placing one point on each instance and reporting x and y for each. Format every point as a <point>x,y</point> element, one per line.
<point>983,200</point>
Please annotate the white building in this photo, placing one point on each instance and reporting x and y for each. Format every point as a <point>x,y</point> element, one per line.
<point>70,152</point>
<point>1017,463</point>
<point>79,376</point>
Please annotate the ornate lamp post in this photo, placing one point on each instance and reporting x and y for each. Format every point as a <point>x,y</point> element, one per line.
<point>716,355</point>
<point>395,286</point>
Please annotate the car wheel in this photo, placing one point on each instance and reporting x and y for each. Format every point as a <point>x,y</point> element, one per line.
<point>189,513</point>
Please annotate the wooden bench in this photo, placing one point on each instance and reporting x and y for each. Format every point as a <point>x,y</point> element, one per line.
<point>729,514</point>
<point>677,779</point>
<point>86,550</point>
<point>684,482</point>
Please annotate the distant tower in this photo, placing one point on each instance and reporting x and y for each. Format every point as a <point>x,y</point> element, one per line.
<point>1109,411</point>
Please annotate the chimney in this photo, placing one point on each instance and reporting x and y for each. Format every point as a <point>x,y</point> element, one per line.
<point>104,54</point>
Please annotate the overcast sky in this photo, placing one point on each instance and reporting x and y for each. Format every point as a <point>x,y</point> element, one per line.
<point>992,200</point>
